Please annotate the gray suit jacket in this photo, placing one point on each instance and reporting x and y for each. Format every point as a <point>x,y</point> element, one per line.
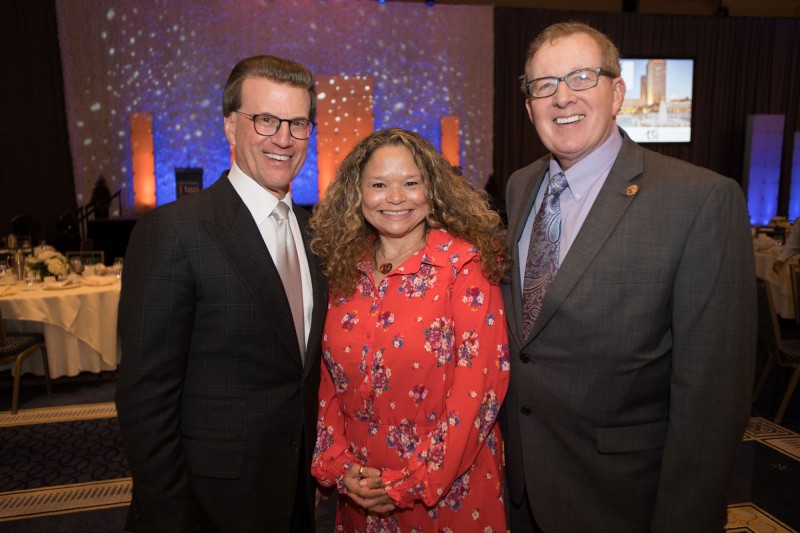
<point>212,395</point>
<point>629,398</point>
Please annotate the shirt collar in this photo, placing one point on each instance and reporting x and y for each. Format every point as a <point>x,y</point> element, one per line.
<point>433,253</point>
<point>589,169</point>
<point>258,200</point>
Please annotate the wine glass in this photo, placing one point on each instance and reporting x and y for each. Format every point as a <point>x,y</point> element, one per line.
<point>116,268</point>
<point>31,277</point>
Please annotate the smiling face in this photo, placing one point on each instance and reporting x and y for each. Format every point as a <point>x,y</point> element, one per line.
<point>572,124</point>
<point>273,161</point>
<point>393,197</point>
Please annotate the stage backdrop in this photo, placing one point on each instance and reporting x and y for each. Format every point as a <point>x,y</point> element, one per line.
<point>171,59</point>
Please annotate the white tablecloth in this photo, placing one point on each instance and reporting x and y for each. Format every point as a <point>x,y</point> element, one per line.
<point>780,283</point>
<point>79,326</point>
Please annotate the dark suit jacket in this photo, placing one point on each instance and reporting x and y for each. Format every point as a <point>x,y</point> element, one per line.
<point>629,397</point>
<point>212,396</point>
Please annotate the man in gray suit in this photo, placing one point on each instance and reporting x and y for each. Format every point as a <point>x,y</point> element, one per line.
<point>631,320</point>
<point>217,390</point>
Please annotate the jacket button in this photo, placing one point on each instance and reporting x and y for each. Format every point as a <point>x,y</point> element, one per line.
<point>526,411</point>
<point>524,357</point>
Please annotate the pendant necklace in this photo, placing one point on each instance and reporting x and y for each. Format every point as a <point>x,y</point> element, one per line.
<point>386,267</point>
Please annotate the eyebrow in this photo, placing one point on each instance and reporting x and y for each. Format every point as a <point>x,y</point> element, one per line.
<point>301,117</point>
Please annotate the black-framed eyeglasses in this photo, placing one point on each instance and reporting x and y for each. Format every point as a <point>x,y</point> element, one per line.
<point>268,125</point>
<point>577,80</point>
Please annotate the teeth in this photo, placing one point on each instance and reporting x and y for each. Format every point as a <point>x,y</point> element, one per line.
<point>277,157</point>
<point>570,120</point>
<point>407,211</point>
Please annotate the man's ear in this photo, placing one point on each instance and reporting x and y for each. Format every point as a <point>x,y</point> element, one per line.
<point>230,128</point>
<point>618,86</point>
<point>529,107</point>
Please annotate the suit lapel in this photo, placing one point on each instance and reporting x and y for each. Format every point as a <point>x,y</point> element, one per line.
<point>319,292</point>
<point>237,235</point>
<point>603,218</point>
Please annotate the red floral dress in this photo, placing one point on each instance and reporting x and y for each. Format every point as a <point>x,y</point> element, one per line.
<point>415,372</point>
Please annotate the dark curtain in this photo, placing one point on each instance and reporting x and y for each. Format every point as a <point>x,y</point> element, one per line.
<point>743,66</point>
<point>35,163</point>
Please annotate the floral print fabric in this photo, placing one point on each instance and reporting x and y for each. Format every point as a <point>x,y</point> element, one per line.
<point>415,372</point>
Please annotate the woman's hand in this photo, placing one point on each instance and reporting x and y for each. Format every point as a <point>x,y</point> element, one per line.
<point>364,486</point>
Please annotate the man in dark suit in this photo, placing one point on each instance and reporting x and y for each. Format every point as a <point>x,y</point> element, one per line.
<point>217,389</point>
<point>632,359</point>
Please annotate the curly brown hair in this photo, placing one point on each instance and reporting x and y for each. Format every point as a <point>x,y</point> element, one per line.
<point>341,233</point>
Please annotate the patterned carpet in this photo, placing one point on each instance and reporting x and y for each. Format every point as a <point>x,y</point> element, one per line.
<point>768,480</point>
<point>62,465</point>
<point>61,459</point>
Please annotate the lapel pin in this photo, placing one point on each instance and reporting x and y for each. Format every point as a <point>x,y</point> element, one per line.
<point>631,190</point>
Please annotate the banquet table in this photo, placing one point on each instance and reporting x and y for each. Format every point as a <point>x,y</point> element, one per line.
<point>780,282</point>
<point>79,323</point>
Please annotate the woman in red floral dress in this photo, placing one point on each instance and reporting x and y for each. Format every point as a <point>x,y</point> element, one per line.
<point>415,343</point>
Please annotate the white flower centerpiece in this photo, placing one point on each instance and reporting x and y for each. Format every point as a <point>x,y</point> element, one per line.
<point>47,263</point>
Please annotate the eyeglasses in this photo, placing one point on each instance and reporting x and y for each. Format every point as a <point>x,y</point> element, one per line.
<point>577,80</point>
<point>268,125</point>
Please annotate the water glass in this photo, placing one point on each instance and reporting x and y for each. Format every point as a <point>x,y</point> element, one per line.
<point>31,277</point>
<point>76,265</point>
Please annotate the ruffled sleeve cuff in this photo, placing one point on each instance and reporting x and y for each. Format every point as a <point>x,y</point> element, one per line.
<point>404,488</point>
<point>331,470</point>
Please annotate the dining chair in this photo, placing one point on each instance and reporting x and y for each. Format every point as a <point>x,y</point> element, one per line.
<point>15,348</point>
<point>794,274</point>
<point>784,352</point>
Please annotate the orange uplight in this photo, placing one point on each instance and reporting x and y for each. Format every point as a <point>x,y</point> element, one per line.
<point>450,140</point>
<point>344,117</point>
<point>143,161</point>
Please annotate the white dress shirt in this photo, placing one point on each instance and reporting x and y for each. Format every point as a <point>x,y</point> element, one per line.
<point>261,203</point>
<point>585,180</point>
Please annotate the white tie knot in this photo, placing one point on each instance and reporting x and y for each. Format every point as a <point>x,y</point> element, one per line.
<point>281,211</point>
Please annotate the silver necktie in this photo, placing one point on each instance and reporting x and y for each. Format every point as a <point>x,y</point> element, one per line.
<point>289,269</point>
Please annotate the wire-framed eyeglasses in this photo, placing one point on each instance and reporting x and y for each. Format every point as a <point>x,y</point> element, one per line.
<point>577,80</point>
<point>268,125</point>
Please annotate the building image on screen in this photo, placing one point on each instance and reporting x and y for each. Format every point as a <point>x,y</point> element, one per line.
<point>658,100</point>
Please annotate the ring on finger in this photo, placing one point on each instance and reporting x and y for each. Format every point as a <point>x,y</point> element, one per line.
<point>361,471</point>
